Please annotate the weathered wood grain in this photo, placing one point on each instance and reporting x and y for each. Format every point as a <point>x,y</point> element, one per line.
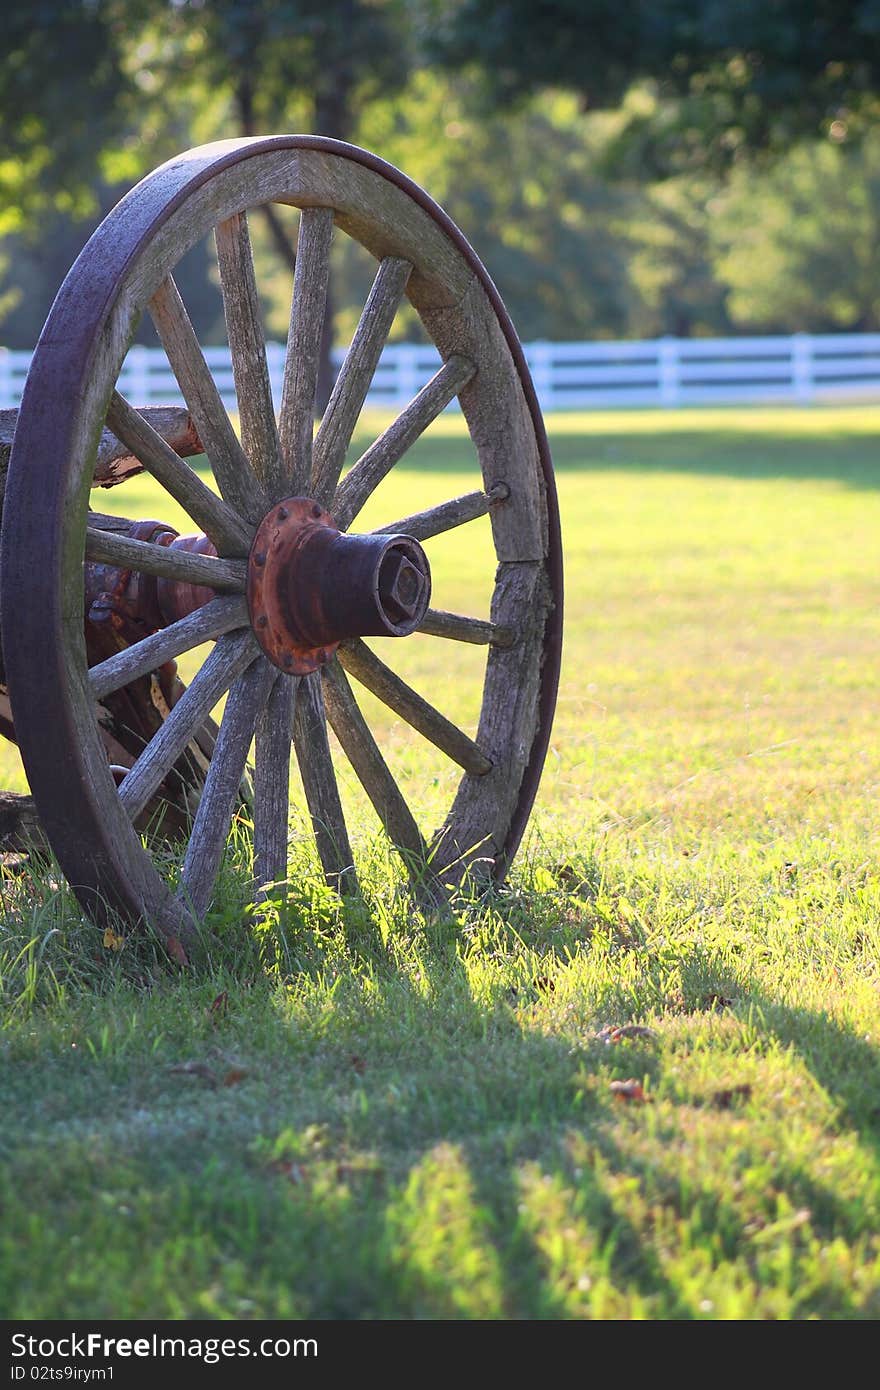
<point>446,515</point>
<point>230,534</point>
<point>498,419</point>
<point>458,628</point>
<point>272,787</point>
<point>20,827</point>
<point>204,625</point>
<point>223,665</point>
<point>353,382</point>
<point>244,327</point>
<point>384,683</point>
<point>236,479</point>
<point>372,771</point>
<point>114,461</point>
<point>474,831</point>
<point>297,414</point>
<point>226,576</point>
<point>368,206</point>
<point>137,248</point>
<point>213,818</point>
<point>322,794</point>
<point>364,476</point>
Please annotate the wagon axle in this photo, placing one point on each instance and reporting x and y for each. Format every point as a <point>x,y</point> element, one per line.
<point>309,586</point>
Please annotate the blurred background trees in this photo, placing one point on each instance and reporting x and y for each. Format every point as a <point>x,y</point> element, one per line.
<point>624,168</point>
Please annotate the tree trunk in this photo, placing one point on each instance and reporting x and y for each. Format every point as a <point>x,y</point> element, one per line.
<point>332,117</point>
<point>287,251</point>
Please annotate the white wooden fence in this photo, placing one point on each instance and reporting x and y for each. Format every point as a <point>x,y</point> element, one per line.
<point>655,372</point>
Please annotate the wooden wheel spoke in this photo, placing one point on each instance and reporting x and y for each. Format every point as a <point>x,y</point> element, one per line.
<point>322,793</point>
<point>205,625</point>
<point>354,379</point>
<point>457,627</point>
<point>241,303</point>
<point>447,515</point>
<point>235,477</point>
<point>366,667</point>
<point>392,444</point>
<point>296,420</point>
<point>272,785</point>
<point>59,452</point>
<point>230,534</point>
<point>109,548</point>
<point>360,748</point>
<point>211,826</point>
<point>223,665</point>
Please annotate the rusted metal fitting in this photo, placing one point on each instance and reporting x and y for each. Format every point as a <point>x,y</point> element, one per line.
<point>175,597</point>
<point>126,600</point>
<point>310,586</point>
<point>134,604</point>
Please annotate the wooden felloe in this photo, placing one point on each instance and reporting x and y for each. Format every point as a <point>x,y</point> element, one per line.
<point>99,799</point>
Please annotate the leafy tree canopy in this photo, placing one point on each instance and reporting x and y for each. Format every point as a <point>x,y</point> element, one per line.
<point>111,83</point>
<point>726,77</point>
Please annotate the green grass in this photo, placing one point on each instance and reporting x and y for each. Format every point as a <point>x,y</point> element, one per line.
<point>383,1117</point>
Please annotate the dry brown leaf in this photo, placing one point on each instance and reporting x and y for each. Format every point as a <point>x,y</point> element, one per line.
<point>13,862</point>
<point>629,1090</point>
<point>294,1172</point>
<point>567,877</point>
<point>234,1075</point>
<point>358,1063</point>
<point>724,1099</point>
<point>716,1001</point>
<point>176,951</point>
<point>219,1007</point>
<point>200,1069</point>
<point>613,1033</point>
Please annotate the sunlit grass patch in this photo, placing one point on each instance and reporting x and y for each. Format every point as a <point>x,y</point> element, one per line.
<point>639,1079</point>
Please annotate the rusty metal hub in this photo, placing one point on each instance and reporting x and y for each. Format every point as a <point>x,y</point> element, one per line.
<point>133,604</point>
<point>310,586</point>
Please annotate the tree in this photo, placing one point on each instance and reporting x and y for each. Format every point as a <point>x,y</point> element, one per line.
<point>81,78</point>
<point>333,56</point>
<point>676,286</point>
<point>727,77</point>
<point>63,87</point>
<point>526,191</point>
<point>797,247</point>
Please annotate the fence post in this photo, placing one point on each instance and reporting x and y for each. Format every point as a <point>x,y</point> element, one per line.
<point>802,367</point>
<point>6,391</point>
<point>407,355</point>
<point>669,371</point>
<point>139,384</point>
<point>540,360</point>
<point>275,354</point>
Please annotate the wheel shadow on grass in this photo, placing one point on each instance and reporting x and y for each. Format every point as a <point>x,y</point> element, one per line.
<point>751,452</point>
<point>433,1142</point>
<point>564,1137</point>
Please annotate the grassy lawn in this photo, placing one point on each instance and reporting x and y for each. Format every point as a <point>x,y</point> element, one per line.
<point>642,1080</point>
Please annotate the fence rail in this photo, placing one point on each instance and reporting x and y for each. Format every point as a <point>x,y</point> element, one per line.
<point>671,372</point>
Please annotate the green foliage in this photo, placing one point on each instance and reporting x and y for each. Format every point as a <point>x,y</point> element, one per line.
<point>658,216</point>
<point>336,56</point>
<point>62,86</point>
<point>354,1112</point>
<point>747,76</point>
<point>525,190</point>
<point>676,281</point>
<point>797,244</point>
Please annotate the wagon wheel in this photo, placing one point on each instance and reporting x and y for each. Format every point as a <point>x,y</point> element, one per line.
<point>285,599</point>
